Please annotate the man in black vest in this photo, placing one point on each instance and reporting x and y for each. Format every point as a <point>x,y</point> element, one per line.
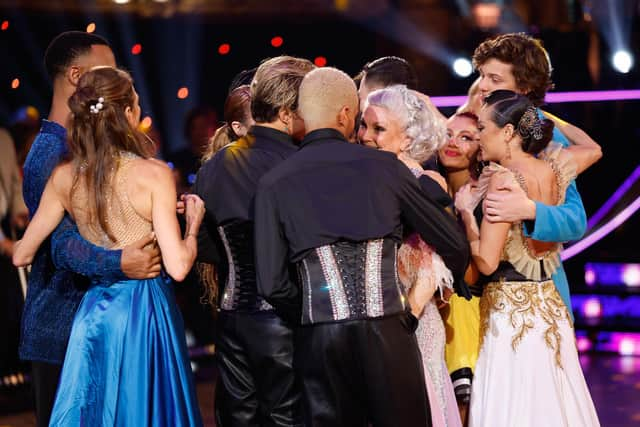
<point>336,210</point>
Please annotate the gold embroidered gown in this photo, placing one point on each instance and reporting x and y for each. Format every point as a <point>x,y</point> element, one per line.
<point>528,373</point>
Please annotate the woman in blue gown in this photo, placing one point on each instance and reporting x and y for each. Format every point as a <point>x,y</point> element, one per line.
<point>126,362</point>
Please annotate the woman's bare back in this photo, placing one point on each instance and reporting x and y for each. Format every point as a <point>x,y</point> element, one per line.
<point>127,204</point>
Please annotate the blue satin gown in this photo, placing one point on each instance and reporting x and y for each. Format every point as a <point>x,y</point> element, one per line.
<point>127,362</point>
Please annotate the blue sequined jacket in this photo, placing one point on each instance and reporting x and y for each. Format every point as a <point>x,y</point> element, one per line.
<point>54,291</point>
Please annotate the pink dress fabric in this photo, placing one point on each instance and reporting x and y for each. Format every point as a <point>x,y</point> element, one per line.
<point>419,265</point>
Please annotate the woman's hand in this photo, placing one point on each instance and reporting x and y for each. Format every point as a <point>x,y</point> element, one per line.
<point>194,212</point>
<point>464,199</point>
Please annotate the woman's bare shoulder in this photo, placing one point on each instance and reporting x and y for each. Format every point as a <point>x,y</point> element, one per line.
<point>151,169</point>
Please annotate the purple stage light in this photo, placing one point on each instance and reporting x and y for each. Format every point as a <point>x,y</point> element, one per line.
<point>554,97</point>
<point>614,199</point>
<point>592,96</point>
<point>601,232</point>
<point>592,308</point>
<point>623,343</point>
<point>584,344</point>
<point>631,275</point>
<point>590,276</point>
<point>627,346</point>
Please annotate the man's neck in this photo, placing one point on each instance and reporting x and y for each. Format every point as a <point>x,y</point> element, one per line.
<point>59,112</point>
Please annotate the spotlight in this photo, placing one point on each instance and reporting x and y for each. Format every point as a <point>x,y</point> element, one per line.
<point>631,275</point>
<point>622,61</point>
<point>584,344</point>
<point>183,92</point>
<point>592,308</point>
<point>320,61</point>
<point>626,347</point>
<point>590,276</point>
<point>462,67</point>
<point>121,1</point>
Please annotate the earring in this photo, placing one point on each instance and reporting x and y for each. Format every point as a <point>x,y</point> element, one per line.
<point>508,151</point>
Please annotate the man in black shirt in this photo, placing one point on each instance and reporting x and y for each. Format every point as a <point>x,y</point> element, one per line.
<point>254,347</point>
<point>336,211</point>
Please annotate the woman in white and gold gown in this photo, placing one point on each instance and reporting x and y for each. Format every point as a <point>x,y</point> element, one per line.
<point>528,372</point>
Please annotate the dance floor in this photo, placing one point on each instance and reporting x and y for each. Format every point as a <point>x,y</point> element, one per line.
<point>614,382</point>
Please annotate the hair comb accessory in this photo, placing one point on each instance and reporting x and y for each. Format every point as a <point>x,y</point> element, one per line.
<point>95,108</point>
<point>530,125</point>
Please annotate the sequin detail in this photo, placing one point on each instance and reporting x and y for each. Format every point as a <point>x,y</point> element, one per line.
<point>396,276</point>
<point>307,281</point>
<point>373,279</point>
<point>125,223</point>
<point>339,303</point>
<point>229,289</point>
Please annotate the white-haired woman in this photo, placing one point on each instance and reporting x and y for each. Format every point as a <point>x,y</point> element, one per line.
<point>398,120</point>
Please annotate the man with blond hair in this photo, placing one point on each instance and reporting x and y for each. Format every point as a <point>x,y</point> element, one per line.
<point>254,346</point>
<point>336,211</point>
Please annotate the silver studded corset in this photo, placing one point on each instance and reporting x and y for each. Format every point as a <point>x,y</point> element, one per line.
<point>350,280</point>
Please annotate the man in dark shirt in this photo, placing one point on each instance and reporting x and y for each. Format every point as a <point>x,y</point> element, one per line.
<point>254,347</point>
<point>54,291</point>
<point>336,211</point>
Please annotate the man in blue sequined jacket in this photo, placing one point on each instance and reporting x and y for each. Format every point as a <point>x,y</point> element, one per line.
<point>56,283</point>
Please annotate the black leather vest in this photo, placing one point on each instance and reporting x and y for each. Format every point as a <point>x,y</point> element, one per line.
<point>350,280</point>
<point>239,291</point>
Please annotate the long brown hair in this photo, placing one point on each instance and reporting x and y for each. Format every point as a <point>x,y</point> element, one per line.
<point>237,108</point>
<point>99,132</point>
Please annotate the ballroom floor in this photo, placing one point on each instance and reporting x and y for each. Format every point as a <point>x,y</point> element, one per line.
<point>614,382</point>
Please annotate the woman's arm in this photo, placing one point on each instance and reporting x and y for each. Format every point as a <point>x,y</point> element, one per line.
<point>487,241</point>
<point>178,254</point>
<point>48,215</point>
<point>584,149</point>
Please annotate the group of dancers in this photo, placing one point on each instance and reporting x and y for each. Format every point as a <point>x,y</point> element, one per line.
<point>373,262</point>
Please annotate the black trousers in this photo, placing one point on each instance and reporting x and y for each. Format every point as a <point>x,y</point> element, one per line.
<point>362,372</point>
<point>45,377</point>
<point>256,381</point>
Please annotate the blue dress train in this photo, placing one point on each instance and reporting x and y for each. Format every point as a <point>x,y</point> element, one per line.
<point>127,362</point>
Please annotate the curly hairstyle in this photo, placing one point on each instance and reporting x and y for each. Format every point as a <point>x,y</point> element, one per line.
<point>425,130</point>
<point>97,138</point>
<point>519,111</point>
<point>529,59</point>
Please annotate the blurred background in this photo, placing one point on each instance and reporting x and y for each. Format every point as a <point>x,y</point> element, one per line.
<point>183,55</point>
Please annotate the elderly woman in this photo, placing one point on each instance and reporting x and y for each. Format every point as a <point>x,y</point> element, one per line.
<point>397,120</point>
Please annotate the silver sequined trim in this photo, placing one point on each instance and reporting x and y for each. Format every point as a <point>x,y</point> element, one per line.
<point>373,279</point>
<point>265,306</point>
<point>307,279</point>
<point>230,289</point>
<point>395,275</point>
<point>339,304</point>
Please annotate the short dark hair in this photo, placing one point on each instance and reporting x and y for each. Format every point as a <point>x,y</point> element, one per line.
<point>66,47</point>
<point>390,70</point>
